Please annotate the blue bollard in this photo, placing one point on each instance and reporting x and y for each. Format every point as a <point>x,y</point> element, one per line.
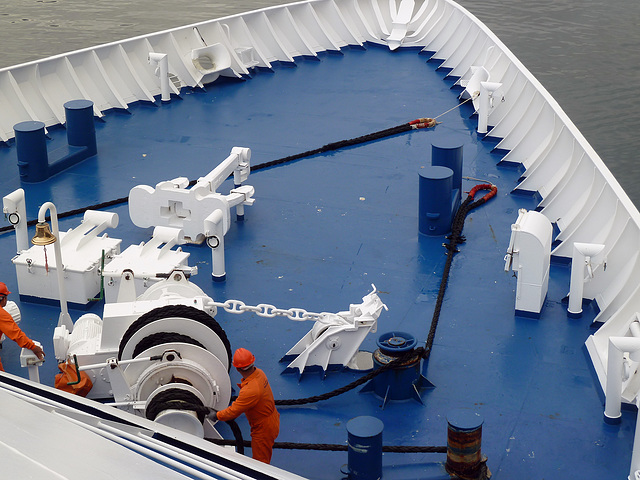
<point>448,153</point>
<point>35,164</point>
<point>434,204</point>
<point>31,147</point>
<point>81,130</point>
<point>365,448</point>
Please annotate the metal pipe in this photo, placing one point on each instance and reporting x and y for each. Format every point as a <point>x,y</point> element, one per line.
<point>214,233</point>
<point>16,211</point>
<point>485,106</point>
<point>162,61</point>
<point>581,258</point>
<point>365,448</point>
<point>613,390</point>
<point>64,319</point>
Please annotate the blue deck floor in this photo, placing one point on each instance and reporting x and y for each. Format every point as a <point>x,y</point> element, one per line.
<point>325,228</point>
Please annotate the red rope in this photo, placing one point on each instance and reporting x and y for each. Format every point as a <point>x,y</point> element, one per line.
<point>484,186</point>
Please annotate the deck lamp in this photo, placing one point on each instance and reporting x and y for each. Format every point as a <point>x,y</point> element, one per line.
<point>44,237</point>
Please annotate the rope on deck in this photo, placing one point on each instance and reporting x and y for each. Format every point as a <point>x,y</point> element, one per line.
<point>405,127</point>
<point>455,239</point>
<point>332,447</point>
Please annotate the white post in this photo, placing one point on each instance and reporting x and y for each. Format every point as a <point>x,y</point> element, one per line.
<point>64,319</point>
<point>214,233</point>
<point>16,211</point>
<point>581,258</point>
<point>485,104</point>
<point>162,61</point>
<point>613,390</point>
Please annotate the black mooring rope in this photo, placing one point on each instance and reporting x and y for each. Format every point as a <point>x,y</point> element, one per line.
<point>405,127</point>
<point>455,238</point>
<point>175,399</point>
<point>333,447</point>
<point>325,396</point>
<point>337,145</point>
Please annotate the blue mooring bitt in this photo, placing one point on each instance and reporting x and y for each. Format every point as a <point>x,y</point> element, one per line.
<point>403,382</point>
<point>440,188</point>
<point>364,449</point>
<point>35,164</point>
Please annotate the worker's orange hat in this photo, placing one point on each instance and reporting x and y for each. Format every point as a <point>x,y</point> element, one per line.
<point>3,289</point>
<point>243,359</point>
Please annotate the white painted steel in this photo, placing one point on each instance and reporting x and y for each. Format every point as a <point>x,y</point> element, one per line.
<point>161,63</point>
<point>576,187</point>
<point>15,209</point>
<point>202,369</point>
<point>36,451</point>
<point>172,204</point>
<point>582,258</point>
<point>622,274</point>
<point>46,405</point>
<point>529,255</point>
<point>145,262</point>
<point>82,251</point>
<point>336,339</point>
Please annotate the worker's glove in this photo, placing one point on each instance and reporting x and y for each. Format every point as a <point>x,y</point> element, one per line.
<point>212,414</point>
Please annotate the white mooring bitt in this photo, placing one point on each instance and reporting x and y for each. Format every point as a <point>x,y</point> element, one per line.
<point>623,358</point>
<point>529,255</point>
<point>612,344</point>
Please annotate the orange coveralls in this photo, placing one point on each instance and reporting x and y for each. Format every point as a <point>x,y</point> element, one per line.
<point>12,331</point>
<point>255,400</point>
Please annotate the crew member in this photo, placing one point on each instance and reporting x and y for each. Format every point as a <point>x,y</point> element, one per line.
<point>255,400</point>
<point>10,328</point>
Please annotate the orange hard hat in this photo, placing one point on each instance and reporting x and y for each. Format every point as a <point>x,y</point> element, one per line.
<point>243,359</point>
<point>3,289</point>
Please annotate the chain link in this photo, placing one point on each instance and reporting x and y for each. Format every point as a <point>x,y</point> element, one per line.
<point>270,311</point>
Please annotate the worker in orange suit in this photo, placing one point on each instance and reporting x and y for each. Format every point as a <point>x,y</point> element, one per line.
<point>10,328</point>
<point>255,400</point>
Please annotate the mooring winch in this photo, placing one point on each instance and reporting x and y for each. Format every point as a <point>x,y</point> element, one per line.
<point>165,357</point>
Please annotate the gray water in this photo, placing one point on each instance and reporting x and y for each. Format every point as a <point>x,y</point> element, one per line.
<point>585,52</point>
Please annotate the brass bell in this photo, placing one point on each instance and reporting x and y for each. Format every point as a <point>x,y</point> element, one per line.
<point>43,235</point>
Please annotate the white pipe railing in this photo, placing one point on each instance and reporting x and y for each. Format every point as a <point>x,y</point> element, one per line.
<point>64,319</point>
